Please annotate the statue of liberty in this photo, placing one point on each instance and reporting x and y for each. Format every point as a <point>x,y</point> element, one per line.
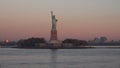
<point>54,42</point>
<point>54,20</point>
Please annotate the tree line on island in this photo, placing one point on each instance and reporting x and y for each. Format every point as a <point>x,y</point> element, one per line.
<point>75,42</point>
<point>38,42</point>
<point>30,42</point>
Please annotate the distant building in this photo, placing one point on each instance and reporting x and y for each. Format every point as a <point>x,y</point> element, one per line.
<point>7,44</point>
<point>41,45</point>
<point>67,45</point>
<point>97,40</point>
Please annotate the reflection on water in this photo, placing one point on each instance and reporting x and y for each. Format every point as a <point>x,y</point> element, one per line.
<point>61,58</point>
<point>53,58</point>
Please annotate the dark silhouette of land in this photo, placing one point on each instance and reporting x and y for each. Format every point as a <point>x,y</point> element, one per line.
<point>69,43</point>
<point>40,43</point>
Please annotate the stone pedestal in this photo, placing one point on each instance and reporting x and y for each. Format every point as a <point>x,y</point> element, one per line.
<point>53,35</point>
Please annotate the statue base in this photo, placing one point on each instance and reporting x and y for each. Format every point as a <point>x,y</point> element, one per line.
<point>54,43</point>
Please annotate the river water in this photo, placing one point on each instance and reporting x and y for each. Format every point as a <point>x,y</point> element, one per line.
<point>62,58</point>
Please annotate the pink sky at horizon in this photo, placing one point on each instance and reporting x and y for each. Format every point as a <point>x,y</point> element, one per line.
<point>80,19</point>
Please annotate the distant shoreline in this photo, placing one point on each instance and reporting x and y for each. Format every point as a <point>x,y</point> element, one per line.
<point>84,47</point>
<point>79,47</point>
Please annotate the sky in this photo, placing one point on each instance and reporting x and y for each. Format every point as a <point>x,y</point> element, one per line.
<point>80,19</point>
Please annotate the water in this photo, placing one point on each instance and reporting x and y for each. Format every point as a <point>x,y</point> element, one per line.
<point>62,58</point>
